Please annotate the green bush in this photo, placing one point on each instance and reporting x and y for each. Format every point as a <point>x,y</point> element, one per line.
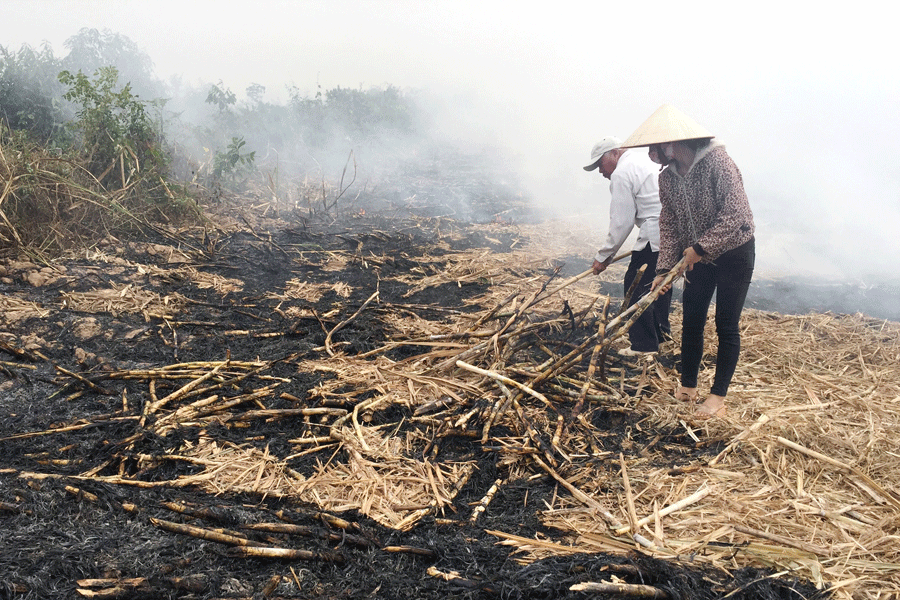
<point>233,167</point>
<point>113,127</point>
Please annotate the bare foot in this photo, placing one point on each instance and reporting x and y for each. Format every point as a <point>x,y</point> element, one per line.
<point>686,394</point>
<point>713,406</point>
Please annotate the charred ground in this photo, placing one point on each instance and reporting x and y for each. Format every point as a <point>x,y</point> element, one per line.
<point>60,530</point>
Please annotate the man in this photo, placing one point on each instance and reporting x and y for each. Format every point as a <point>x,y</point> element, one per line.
<point>633,185</point>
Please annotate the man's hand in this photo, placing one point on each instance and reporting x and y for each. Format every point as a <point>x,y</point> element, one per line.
<point>599,267</point>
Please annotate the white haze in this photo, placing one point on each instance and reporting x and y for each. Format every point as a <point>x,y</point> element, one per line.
<point>805,95</point>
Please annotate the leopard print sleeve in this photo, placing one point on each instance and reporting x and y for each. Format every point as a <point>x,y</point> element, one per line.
<point>729,222</point>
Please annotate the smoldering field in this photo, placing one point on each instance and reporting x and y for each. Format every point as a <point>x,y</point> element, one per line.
<point>275,391</point>
<point>818,248</point>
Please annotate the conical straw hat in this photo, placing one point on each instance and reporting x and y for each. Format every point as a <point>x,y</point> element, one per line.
<point>667,124</point>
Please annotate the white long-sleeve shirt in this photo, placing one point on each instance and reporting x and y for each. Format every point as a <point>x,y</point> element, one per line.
<point>634,187</point>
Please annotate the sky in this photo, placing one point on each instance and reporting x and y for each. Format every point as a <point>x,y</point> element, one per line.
<point>805,96</point>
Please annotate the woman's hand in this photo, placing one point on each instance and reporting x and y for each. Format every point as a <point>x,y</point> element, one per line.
<point>657,282</point>
<point>690,258</point>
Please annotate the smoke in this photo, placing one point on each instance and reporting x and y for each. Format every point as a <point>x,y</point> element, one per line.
<point>804,100</point>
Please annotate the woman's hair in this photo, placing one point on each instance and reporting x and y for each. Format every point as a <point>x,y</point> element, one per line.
<point>696,144</point>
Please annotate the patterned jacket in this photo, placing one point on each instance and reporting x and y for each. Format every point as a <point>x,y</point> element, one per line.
<point>708,206</point>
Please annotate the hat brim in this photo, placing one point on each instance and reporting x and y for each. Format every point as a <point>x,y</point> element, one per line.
<point>594,165</point>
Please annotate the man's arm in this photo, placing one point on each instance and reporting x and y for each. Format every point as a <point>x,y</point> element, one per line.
<point>622,212</point>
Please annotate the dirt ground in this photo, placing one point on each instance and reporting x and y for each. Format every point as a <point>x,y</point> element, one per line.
<point>89,500</point>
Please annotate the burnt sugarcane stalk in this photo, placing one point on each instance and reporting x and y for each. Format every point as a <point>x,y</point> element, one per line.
<point>483,504</point>
<point>140,587</point>
<point>579,404</point>
<point>288,412</point>
<point>95,423</point>
<point>490,314</point>
<point>483,346</point>
<point>637,280</point>
<point>211,535</point>
<point>347,321</point>
<point>411,550</point>
<point>285,553</point>
<point>306,531</point>
<point>634,311</point>
<point>155,406</point>
<point>497,409</point>
<point>637,309</point>
<point>85,381</point>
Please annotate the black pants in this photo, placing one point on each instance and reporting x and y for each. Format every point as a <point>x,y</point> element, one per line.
<point>647,332</point>
<point>729,278</point>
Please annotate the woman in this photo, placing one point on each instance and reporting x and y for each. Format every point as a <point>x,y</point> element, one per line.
<point>706,219</point>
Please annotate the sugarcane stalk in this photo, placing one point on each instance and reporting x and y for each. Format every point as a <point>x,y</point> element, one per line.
<point>306,531</point>
<point>629,497</point>
<point>344,323</point>
<point>85,381</point>
<point>285,553</point>
<point>483,503</point>
<point>211,535</point>
<point>288,412</point>
<point>580,496</point>
<point>632,590</point>
<point>96,423</point>
<point>634,284</point>
<point>811,548</point>
<point>504,379</point>
<point>411,550</point>
<point>152,408</point>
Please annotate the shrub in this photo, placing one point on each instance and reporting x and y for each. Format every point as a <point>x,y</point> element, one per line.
<point>113,127</point>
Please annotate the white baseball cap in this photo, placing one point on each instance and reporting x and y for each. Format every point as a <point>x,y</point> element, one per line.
<point>600,148</point>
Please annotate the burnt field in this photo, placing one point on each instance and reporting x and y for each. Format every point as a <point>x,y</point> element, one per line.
<point>383,405</point>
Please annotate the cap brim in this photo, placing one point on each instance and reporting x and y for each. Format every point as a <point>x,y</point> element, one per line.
<point>593,165</point>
